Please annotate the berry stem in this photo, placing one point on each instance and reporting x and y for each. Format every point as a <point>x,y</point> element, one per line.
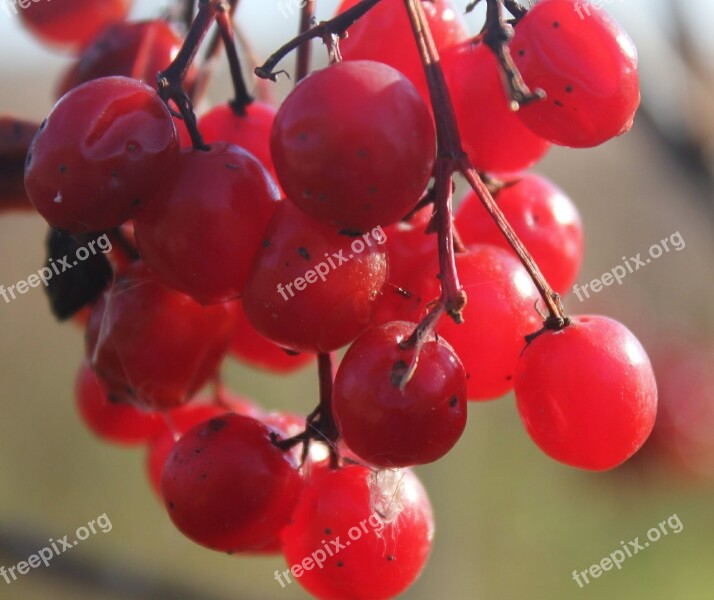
<point>557,318</point>
<point>170,81</point>
<point>449,153</point>
<point>241,98</point>
<point>497,34</point>
<point>209,60</point>
<point>320,423</point>
<point>516,9</point>
<point>451,157</point>
<point>325,29</point>
<point>304,51</point>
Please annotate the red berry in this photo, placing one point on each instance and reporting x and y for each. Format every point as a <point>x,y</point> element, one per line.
<point>312,289</point>
<point>138,50</point>
<point>250,131</point>
<point>71,23</point>
<point>544,218</point>
<point>390,427</point>
<point>587,67</point>
<point>499,315</point>
<point>97,156</point>
<point>179,420</point>
<point>493,136</point>
<point>228,487</point>
<point>385,35</point>
<point>111,421</point>
<point>358,172</point>
<point>202,231</point>
<point>587,394</point>
<point>358,534</point>
<point>408,290</point>
<point>250,347</point>
<point>153,346</point>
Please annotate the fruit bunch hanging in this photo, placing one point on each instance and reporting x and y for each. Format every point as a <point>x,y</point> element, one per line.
<point>279,236</point>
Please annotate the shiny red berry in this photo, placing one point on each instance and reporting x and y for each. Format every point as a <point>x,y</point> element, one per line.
<point>388,426</point>
<point>586,64</point>
<point>358,172</point>
<point>102,152</point>
<point>587,394</point>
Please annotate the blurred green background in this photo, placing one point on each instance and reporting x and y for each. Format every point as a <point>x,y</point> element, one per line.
<point>511,524</point>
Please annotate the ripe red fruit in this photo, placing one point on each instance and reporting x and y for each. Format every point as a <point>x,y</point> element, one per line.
<point>358,534</point>
<point>409,289</point>
<point>385,35</point>
<point>203,229</point>
<point>587,394</point>
<point>228,487</point>
<point>153,346</point>
<point>178,421</point>
<point>312,289</point>
<point>138,50</point>
<point>95,159</point>
<point>355,173</point>
<point>111,421</point>
<point>492,134</point>
<point>587,67</point>
<point>545,219</point>
<point>251,348</point>
<point>250,131</point>
<point>71,23</point>
<point>499,315</point>
<point>390,427</point>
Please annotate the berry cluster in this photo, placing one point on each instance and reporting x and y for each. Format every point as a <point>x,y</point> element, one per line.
<point>278,236</point>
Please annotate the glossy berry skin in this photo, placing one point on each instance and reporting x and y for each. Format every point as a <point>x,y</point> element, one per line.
<point>544,218</point>
<point>493,136</point>
<point>286,299</point>
<point>102,152</point>
<point>385,35</point>
<point>587,394</point>
<point>226,486</point>
<point>153,346</point>
<point>499,314</point>
<point>71,23</point>
<point>138,50</point>
<point>409,289</point>
<point>587,67</point>
<point>388,427</point>
<point>359,172</point>
<point>178,421</point>
<point>202,231</point>
<point>340,547</point>
<point>251,348</point>
<point>111,421</point>
<point>250,131</point>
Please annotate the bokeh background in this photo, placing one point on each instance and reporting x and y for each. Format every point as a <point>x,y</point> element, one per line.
<point>511,524</point>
